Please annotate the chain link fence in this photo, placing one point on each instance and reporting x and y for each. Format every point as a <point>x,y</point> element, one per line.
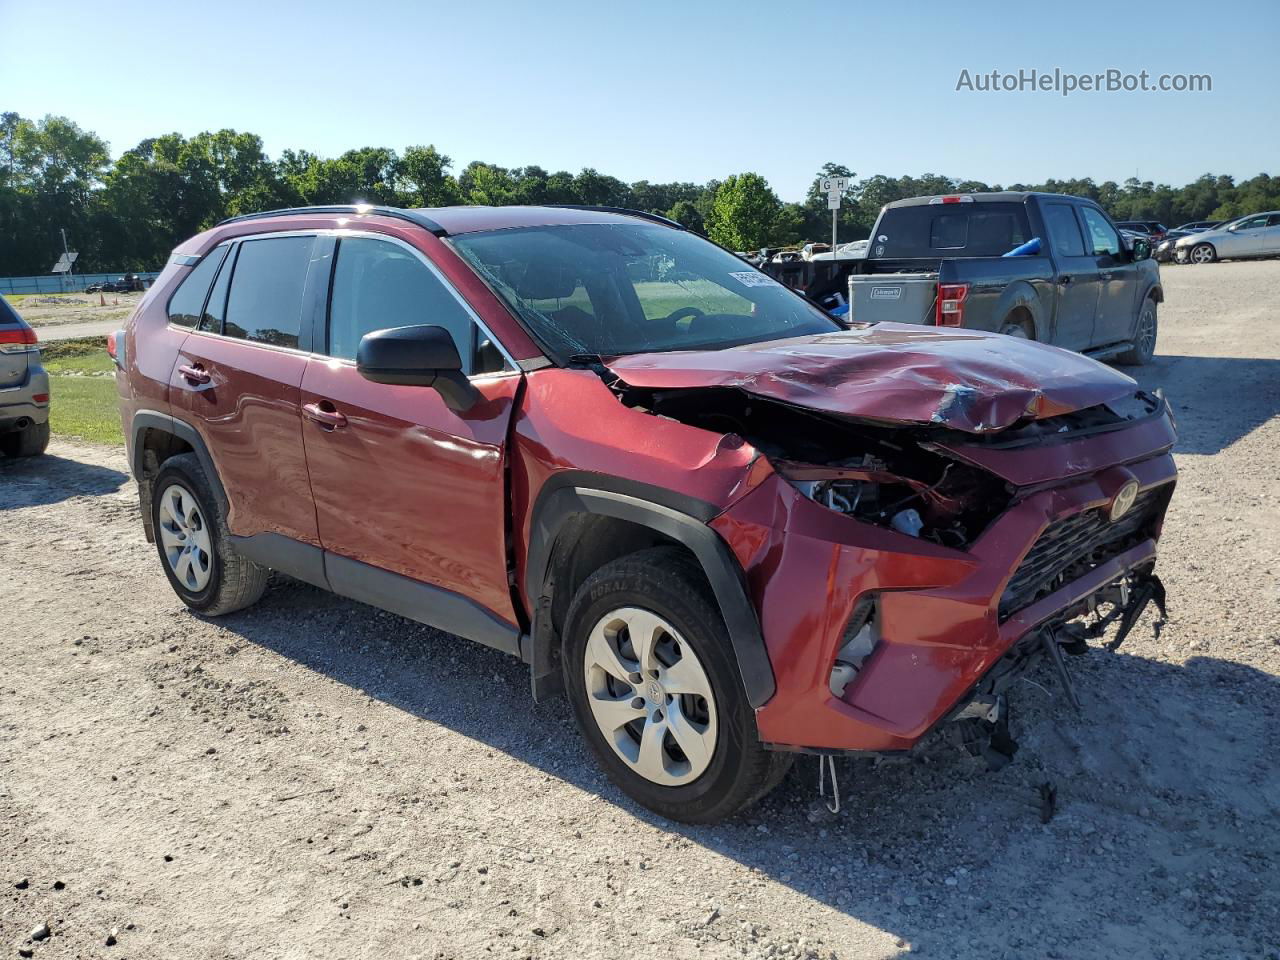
<point>56,283</point>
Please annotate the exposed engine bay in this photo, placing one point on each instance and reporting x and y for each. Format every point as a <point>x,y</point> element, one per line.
<point>880,475</point>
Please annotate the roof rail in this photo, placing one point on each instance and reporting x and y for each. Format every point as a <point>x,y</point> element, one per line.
<point>358,209</point>
<point>624,211</point>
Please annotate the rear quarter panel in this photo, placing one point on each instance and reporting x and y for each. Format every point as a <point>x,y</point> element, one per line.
<point>1000,285</point>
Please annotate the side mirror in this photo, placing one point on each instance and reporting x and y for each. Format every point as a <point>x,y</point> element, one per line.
<point>417,356</point>
<point>1141,250</point>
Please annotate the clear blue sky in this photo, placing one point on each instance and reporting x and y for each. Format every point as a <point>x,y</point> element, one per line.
<point>669,90</point>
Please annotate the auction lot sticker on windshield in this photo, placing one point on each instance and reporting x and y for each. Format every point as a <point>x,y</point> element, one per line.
<point>750,278</point>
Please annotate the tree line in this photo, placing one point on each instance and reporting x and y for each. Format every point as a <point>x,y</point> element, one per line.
<point>128,214</point>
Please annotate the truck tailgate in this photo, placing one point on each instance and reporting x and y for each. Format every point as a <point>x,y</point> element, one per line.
<point>896,297</point>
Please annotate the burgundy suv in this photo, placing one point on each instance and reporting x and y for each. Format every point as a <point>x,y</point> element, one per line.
<point>727,528</point>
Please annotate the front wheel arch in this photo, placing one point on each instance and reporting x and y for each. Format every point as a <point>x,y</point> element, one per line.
<point>566,503</point>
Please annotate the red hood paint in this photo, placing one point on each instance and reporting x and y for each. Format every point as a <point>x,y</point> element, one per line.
<point>896,373</point>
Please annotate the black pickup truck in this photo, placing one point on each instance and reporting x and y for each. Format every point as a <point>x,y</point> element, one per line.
<point>1077,283</point>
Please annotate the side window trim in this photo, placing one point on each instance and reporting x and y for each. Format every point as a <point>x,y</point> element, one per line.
<point>478,326</point>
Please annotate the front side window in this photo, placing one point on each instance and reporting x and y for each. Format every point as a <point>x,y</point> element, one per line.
<point>188,300</point>
<point>378,284</point>
<point>607,289</point>
<point>1064,230</point>
<point>265,300</point>
<point>1102,235</point>
<point>1253,223</point>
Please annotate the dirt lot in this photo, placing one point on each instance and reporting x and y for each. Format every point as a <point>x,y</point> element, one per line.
<point>62,316</point>
<point>312,778</point>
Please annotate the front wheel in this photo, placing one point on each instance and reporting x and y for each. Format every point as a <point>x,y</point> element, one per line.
<point>656,693</point>
<point>1203,253</point>
<point>1144,339</point>
<point>195,547</point>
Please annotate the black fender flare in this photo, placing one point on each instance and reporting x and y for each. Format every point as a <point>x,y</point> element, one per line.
<point>681,518</point>
<point>144,420</point>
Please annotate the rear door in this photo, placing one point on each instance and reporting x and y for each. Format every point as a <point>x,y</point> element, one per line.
<point>403,484</point>
<point>238,378</point>
<point>1117,298</point>
<point>1078,281</point>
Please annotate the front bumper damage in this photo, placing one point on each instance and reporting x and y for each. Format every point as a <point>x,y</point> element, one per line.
<point>950,623</point>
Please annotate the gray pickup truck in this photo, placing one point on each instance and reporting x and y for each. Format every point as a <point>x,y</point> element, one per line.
<point>1076,281</point>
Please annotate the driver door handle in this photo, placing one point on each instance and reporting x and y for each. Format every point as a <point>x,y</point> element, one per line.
<point>324,414</point>
<point>1064,279</point>
<point>1105,275</point>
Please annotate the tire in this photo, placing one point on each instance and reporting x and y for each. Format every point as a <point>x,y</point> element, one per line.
<point>1017,328</point>
<point>1203,253</point>
<point>31,441</point>
<point>618,708</point>
<point>195,548</point>
<point>1144,338</point>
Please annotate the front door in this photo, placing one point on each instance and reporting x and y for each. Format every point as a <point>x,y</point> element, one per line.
<point>237,382</point>
<point>1117,298</point>
<point>1248,238</point>
<point>401,483</point>
<point>1077,279</point>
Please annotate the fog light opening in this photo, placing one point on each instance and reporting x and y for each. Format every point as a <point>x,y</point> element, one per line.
<point>860,639</point>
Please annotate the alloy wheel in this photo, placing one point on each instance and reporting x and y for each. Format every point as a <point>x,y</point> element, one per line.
<point>650,696</point>
<point>185,538</point>
<point>1202,254</point>
<point>1147,333</point>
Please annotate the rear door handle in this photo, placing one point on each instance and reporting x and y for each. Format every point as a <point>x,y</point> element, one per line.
<point>194,373</point>
<point>1064,279</point>
<point>324,414</point>
<point>1105,276</point>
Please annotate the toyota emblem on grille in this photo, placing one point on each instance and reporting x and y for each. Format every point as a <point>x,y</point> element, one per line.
<point>1122,502</point>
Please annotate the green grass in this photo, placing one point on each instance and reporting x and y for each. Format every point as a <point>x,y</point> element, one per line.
<point>82,390</point>
<point>86,356</point>
<point>85,407</point>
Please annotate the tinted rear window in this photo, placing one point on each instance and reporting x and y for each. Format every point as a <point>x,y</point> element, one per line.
<point>188,299</point>
<point>8,316</point>
<point>950,230</point>
<point>265,303</point>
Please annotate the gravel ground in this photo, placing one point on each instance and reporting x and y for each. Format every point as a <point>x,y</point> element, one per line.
<point>71,315</point>
<point>314,778</point>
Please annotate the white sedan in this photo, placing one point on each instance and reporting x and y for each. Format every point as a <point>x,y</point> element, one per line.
<point>1257,235</point>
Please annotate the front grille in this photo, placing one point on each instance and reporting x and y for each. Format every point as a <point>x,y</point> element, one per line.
<point>1071,547</point>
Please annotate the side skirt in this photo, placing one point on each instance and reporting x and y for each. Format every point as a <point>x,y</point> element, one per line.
<point>434,606</point>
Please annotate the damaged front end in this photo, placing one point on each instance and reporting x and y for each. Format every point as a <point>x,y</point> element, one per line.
<point>980,725</point>
<point>905,576</point>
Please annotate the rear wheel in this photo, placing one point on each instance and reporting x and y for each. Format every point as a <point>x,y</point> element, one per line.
<point>31,441</point>
<point>1144,339</point>
<point>656,693</point>
<point>1203,253</point>
<point>1014,326</point>
<point>195,548</point>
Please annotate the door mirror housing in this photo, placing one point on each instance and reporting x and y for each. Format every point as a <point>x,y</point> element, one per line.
<point>1141,250</point>
<point>417,356</point>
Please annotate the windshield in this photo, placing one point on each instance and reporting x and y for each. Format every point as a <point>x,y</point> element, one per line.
<point>608,289</point>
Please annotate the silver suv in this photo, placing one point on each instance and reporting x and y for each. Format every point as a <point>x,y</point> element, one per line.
<point>24,388</point>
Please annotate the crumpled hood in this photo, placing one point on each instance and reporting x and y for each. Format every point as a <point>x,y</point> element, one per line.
<point>896,373</point>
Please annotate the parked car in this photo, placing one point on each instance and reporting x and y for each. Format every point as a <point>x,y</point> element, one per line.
<point>24,388</point>
<point>1152,228</point>
<point>811,250</point>
<point>1196,225</point>
<point>942,261</point>
<point>1257,235</point>
<point>1164,250</point>
<point>724,526</point>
